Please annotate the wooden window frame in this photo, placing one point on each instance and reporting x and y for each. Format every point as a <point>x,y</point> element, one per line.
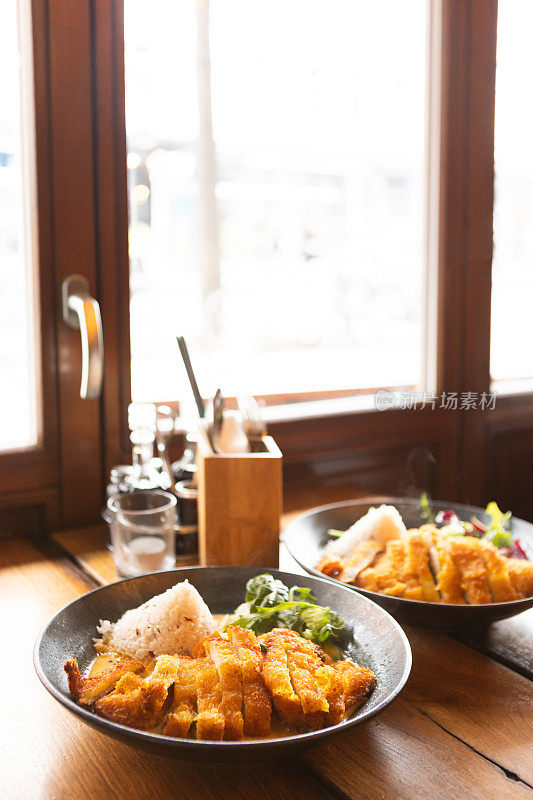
<point>79,64</point>
<point>29,496</point>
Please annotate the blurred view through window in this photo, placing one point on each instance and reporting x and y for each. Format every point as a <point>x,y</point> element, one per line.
<point>18,416</point>
<point>276,169</point>
<point>512,272</point>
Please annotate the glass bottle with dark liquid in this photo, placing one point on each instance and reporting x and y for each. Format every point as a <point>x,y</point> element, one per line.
<point>184,474</point>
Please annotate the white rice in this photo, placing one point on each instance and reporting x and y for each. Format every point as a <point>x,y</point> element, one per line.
<point>170,623</point>
<point>378,525</point>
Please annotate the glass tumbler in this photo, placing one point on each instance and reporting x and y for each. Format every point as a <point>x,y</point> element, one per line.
<point>142,531</point>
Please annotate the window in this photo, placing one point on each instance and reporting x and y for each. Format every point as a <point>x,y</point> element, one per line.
<point>18,406</point>
<point>276,179</point>
<point>512,277</point>
<point>276,162</point>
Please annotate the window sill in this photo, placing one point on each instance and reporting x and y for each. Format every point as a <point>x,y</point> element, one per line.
<point>516,386</point>
<point>316,409</point>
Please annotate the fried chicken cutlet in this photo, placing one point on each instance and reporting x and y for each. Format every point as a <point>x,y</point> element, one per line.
<point>277,679</point>
<point>357,682</point>
<point>184,703</point>
<point>501,587</point>
<point>402,570</point>
<point>383,576</point>
<point>228,689</point>
<point>521,575</point>
<point>470,564</point>
<point>418,559</point>
<point>228,666</point>
<point>307,690</point>
<point>434,566</point>
<point>447,576</point>
<point>140,703</point>
<point>257,705</point>
<point>210,722</point>
<point>87,690</point>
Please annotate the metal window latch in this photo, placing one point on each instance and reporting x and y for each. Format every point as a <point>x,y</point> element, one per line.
<point>82,311</point>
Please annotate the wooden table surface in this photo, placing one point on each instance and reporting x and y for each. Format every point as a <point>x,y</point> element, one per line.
<point>462,728</point>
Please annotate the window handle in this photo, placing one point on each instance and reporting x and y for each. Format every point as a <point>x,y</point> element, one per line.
<point>82,311</point>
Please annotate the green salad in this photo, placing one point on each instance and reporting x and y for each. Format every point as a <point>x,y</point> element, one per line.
<point>497,530</point>
<point>270,604</point>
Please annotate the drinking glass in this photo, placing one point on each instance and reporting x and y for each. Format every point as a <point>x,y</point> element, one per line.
<point>142,531</point>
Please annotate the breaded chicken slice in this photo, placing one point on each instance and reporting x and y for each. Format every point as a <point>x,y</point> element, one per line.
<point>256,698</point>
<point>418,560</point>
<point>140,703</point>
<point>357,682</point>
<point>210,720</point>
<point>468,559</point>
<point>228,665</point>
<point>521,575</point>
<point>500,584</point>
<point>382,576</point>
<point>87,690</point>
<point>442,565</point>
<point>331,708</point>
<point>184,704</point>
<point>302,669</point>
<point>331,686</point>
<point>302,660</point>
<point>403,569</point>
<point>277,679</point>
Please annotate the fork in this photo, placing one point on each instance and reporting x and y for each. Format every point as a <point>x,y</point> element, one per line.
<point>253,423</point>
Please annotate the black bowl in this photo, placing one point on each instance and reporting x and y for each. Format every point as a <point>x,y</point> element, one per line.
<point>306,536</point>
<point>373,638</point>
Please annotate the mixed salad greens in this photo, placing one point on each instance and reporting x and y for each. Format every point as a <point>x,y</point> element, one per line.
<point>497,530</point>
<point>270,604</point>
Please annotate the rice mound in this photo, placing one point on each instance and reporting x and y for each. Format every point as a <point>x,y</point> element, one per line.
<point>169,623</point>
<point>378,524</point>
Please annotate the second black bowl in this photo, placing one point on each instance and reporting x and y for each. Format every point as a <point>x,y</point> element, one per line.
<point>307,535</point>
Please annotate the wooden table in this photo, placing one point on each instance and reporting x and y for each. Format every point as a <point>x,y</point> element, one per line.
<point>462,728</point>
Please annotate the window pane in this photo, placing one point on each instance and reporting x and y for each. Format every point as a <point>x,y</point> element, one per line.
<point>512,272</point>
<point>18,415</point>
<point>276,193</point>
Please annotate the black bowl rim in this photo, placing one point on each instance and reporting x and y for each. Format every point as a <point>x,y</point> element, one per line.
<point>225,746</point>
<point>369,594</point>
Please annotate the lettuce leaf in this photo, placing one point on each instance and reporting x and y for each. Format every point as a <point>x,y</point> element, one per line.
<point>426,511</point>
<point>270,604</point>
<point>498,531</point>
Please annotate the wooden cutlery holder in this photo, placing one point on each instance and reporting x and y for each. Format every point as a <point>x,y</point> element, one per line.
<point>239,505</point>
